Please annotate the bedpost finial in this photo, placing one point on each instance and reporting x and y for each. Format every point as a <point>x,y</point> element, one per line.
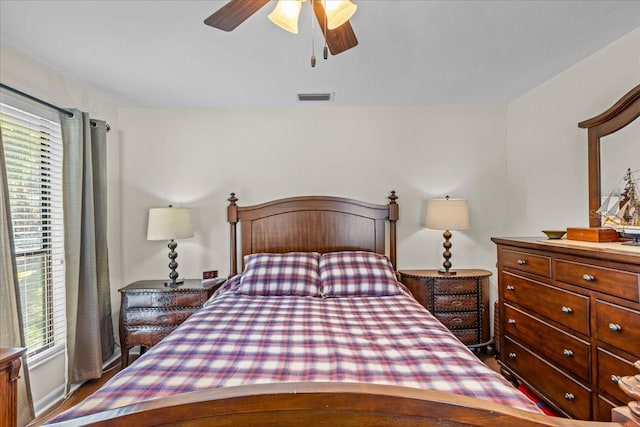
<point>393,196</point>
<point>233,199</point>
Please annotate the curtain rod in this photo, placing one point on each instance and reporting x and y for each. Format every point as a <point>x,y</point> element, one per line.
<point>40,101</point>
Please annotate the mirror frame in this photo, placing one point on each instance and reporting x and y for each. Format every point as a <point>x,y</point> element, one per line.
<point>623,112</point>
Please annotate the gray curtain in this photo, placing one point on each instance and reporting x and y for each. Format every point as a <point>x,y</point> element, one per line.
<point>90,340</point>
<point>11,333</point>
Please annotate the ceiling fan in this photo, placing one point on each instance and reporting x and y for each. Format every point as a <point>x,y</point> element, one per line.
<point>338,34</point>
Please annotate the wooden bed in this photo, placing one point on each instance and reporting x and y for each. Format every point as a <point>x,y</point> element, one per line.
<point>313,223</point>
<point>323,224</point>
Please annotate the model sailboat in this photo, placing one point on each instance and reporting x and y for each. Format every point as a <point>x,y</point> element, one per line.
<point>621,211</point>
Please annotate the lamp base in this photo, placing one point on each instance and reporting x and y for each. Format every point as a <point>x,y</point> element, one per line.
<point>176,283</point>
<point>447,272</point>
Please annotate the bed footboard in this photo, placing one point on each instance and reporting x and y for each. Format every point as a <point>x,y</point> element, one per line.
<point>314,404</point>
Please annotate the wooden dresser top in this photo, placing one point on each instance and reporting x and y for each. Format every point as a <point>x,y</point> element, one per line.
<point>610,251</point>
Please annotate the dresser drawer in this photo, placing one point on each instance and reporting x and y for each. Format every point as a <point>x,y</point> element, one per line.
<point>573,397</point>
<point>564,307</point>
<point>455,302</point>
<point>570,353</point>
<point>134,299</point>
<point>464,286</point>
<point>458,320</point>
<point>623,284</point>
<point>604,409</point>
<point>530,263</point>
<point>610,369</point>
<point>157,316</point>
<point>147,336</point>
<point>618,326</point>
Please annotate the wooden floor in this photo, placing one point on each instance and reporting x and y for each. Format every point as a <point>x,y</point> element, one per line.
<point>90,386</point>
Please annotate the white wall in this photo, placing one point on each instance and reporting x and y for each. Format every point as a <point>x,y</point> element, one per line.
<point>36,79</point>
<point>195,158</point>
<point>547,152</point>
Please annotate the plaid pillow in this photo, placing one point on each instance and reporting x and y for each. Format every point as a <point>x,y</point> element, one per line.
<point>292,273</point>
<point>357,273</point>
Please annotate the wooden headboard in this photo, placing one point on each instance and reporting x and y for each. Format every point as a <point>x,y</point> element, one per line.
<point>312,223</point>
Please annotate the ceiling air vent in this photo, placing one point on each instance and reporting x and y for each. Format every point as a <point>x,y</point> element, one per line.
<point>304,97</point>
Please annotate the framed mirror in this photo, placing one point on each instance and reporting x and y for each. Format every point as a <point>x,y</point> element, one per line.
<point>611,160</point>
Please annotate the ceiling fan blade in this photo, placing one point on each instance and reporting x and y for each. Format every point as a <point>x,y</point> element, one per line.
<point>234,13</point>
<point>339,39</point>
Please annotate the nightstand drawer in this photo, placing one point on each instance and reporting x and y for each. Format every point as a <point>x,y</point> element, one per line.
<point>466,336</point>
<point>459,301</point>
<point>143,299</point>
<point>149,310</point>
<point>458,320</point>
<point>157,316</point>
<point>448,286</point>
<point>443,303</point>
<point>147,336</point>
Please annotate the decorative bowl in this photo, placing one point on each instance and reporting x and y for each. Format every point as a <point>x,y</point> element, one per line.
<point>554,234</point>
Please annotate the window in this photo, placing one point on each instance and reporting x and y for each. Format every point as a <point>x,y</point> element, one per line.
<point>33,156</point>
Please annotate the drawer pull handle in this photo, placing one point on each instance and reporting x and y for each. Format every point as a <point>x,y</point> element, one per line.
<point>456,303</point>
<point>163,318</point>
<point>456,320</point>
<point>163,300</point>
<point>162,336</point>
<point>511,321</point>
<point>615,379</point>
<point>522,261</point>
<point>567,352</point>
<point>511,288</point>
<point>569,396</point>
<point>512,355</point>
<point>567,310</point>
<point>588,278</point>
<point>614,327</point>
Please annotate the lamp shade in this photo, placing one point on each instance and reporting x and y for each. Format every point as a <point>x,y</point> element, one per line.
<point>285,15</point>
<point>338,12</point>
<point>169,223</point>
<point>447,214</point>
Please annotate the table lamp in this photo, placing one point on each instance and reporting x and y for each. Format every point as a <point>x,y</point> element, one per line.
<point>168,224</point>
<point>447,214</point>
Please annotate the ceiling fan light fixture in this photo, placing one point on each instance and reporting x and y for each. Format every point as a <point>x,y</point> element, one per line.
<point>285,15</point>
<point>338,12</point>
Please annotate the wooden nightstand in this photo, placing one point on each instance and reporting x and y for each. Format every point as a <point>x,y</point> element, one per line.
<point>149,310</point>
<point>460,302</point>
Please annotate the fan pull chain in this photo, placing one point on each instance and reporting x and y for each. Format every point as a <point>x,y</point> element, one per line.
<point>325,50</point>
<point>313,50</point>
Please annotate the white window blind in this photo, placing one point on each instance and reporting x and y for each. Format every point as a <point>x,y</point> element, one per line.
<point>33,156</point>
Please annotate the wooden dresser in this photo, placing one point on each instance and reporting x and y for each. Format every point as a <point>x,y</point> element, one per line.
<point>149,311</point>
<point>460,301</point>
<point>569,316</point>
<point>9,370</point>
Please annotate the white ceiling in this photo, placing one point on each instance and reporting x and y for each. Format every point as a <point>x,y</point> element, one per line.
<point>161,54</point>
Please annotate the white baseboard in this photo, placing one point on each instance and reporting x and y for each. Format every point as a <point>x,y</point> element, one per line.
<point>56,396</point>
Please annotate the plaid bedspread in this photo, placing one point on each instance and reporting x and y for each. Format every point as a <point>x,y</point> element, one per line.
<point>237,339</point>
